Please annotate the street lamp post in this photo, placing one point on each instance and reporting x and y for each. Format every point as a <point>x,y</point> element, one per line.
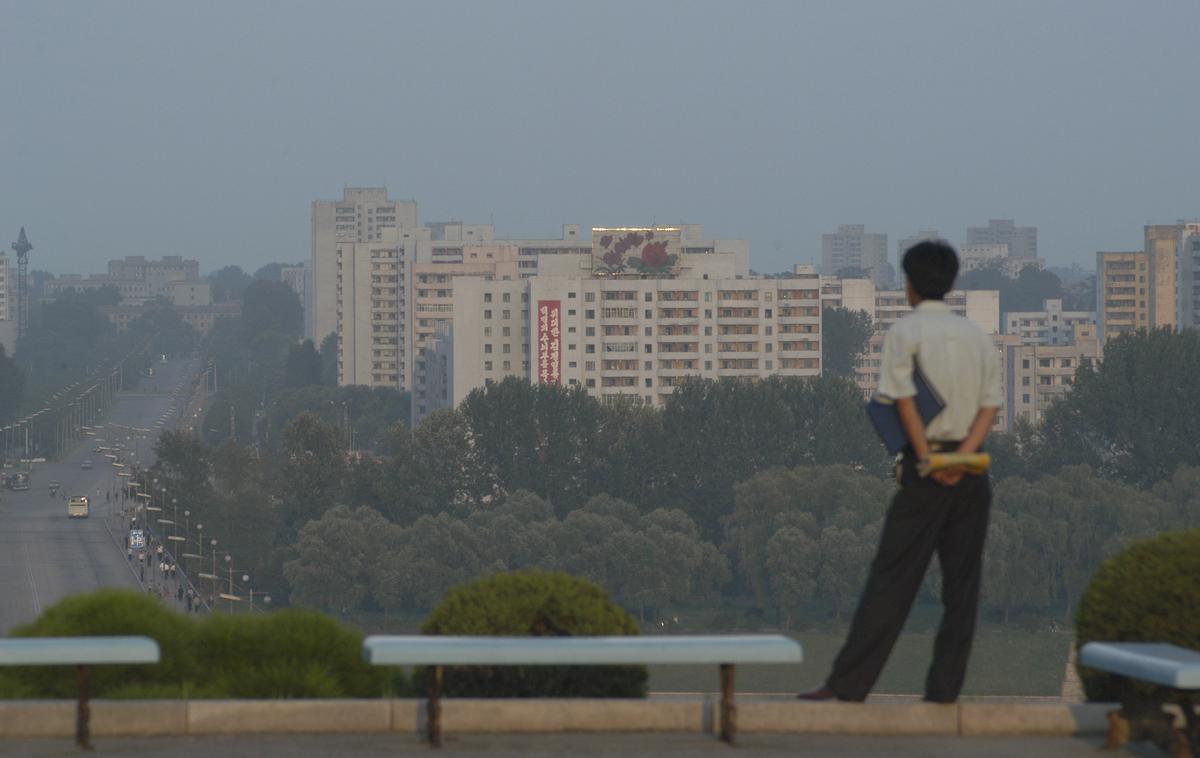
<point>214,573</point>
<point>250,590</point>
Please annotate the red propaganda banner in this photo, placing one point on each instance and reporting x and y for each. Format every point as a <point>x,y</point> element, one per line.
<point>549,335</point>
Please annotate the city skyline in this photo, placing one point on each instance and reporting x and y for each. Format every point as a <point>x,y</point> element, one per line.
<point>207,131</point>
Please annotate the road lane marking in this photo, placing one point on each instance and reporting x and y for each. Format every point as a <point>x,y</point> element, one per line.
<point>37,600</point>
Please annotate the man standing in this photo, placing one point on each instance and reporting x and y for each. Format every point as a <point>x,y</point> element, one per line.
<point>945,512</point>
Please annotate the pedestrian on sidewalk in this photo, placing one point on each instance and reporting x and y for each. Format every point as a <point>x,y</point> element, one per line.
<point>129,554</point>
<point>944,512</point>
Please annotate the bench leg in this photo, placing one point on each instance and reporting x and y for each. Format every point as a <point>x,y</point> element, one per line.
<point>728,711</point>
<point>433,709</point>
<point>83,712</point>
<point>1188,738</point>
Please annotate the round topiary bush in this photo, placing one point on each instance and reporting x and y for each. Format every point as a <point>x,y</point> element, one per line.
<point>104,613</point>
<point>1149,592</point>
<point>287,654</point>
<point>538,604</point>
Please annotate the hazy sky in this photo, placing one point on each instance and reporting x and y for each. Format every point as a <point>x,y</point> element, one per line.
<point>205,129</point>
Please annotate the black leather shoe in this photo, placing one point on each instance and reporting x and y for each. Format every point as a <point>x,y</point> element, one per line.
<point>822,694</point>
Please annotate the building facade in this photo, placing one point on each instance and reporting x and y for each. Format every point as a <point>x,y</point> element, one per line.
<point>297,278</point>
<point>363,215</point>
<point>851,247</point>
<point>617,328</point>
<point>1050,326</point>
<point>1036,375</point>
<point>1189,276</point>
<point>1123,287</point>
<point>1021,240</point>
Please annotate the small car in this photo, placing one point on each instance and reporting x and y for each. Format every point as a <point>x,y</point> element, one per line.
<point>86,465</point>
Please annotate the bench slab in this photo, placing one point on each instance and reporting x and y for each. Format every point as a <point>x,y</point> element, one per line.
<point>71,651</point>
<point>431,650</point>
<point>1157,662</point>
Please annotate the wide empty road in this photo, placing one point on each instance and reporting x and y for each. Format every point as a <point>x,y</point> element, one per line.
<point>44,556</point>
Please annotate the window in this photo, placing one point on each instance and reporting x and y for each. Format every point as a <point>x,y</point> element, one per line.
<point>768,313</point>
<point>507,313</point>
<point>506,331</point>
<point>571,346</point>
<point>487,314</point>
<point>570,295</point>
<point>589,349</point>
<point>708,348</point>
<point>573,364</point>
<point>506,297</point>
<point>507,364</point>
<point>770,364</point>
<point>589,331</point>
<point>591,382</point>
<point>770,345</point>
<point>1024,398</point>
<point>589,297</point>
<point>649,297</point>
<point>708,365</point>
<point>770,330</point>
<point>649,382</point>
<point>487,348</point>
<point>487,297</point>
<point>708,313</point>
<point>589,365</point>
<point>487,331</point>
<point>1025,363</point>
<point>649,314</point>
<point>647,331</point>
<point>648,366</point>
<point>647,348</point>
<point>571,312</point>
<point>1024,381</point>
<point>487,365</point>
<point>708,297</point>
<point>589,314</point>
<point>506,348</point>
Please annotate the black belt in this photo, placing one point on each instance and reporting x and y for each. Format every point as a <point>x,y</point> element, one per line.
<point>935,446</point>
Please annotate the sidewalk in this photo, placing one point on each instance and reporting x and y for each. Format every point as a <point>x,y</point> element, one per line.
<point>624,745</point>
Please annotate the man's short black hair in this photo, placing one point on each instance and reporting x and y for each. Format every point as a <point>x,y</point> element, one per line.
<point>931,268</point>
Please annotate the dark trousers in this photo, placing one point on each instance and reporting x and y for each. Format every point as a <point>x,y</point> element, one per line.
<point>925,517</point>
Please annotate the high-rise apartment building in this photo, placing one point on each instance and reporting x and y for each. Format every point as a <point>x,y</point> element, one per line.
<point>297,278</point>
<point>363,215</point>
<point>851,247</point>
<point>1124,288</point>
<point>1189,276</point>
<point>1050,326</point>
<point>924,235</point>
<point>8,312</point>
<point>1021,240</point>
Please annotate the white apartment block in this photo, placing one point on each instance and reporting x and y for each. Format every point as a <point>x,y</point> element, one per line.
<point>613,333</point>
<point>373,309</point>
<point>995,255</point>
<point>8,307</point>
<point>1036,375</point>
<point>363,215</point>
<point>1049,326</point>
<point>852,247</point>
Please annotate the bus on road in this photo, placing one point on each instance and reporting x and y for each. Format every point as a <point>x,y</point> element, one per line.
<point>77,507</point>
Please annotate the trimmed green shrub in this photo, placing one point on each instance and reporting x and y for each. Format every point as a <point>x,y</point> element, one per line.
<point>112,612</point>
<point>288,654</point>
<point>538,604</point>
<point>1149,592</point>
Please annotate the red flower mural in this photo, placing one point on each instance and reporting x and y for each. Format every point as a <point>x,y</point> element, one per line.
<point>654,255</point>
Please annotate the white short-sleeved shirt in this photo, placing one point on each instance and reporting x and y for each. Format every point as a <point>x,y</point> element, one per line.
<point>957,358</point>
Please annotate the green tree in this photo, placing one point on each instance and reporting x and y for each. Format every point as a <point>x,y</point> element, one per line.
<point>844,336</point>
<point>791,569</point>
<point>1136,415</point>
<point>228,283</point>
<point>312,469</point>
<point>303,366</point>
<point>334,558</point>
<point>271,306</point>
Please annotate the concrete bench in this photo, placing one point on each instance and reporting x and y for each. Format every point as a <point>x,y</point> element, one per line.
<point>724,651</point>
<point>80,652</point>
<point>1169,666</point>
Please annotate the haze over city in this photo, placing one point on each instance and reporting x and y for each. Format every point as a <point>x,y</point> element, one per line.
<point>207,130</point>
